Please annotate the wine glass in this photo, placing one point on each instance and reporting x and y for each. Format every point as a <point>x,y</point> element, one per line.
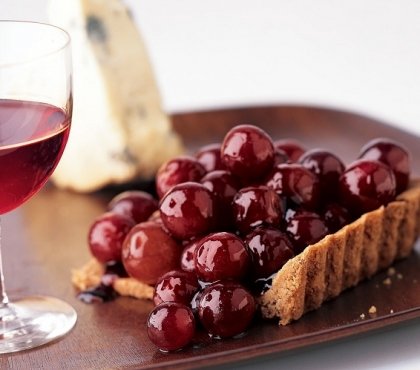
<point>35,116</point>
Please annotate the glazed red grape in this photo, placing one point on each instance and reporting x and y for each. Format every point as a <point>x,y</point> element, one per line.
<point>138,205</point>
<point>209,157</point>
<point>226,309</point>
<point>255,206</point>
<point>305,228</point>
<point>176,171</point>
<point>171,326</point>
<point>195,302</point>
<point>248,152</point>
<point>187,256</point>
<point>221,256</point>
<point>188,210</point>
<point>106,236</point>
<point>148,252</point>
<point>296,183</point>
<point>280,157</point>
<point>328,167</point>
<point>175,286</point>
<point>270,249</point>
<point>366,185</point>
<point>293,148</point>
<point>336,216</point>
<point>224,186</point>
<point>393,154</point>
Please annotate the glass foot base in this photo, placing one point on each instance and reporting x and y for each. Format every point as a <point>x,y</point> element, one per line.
<point>33,321</point>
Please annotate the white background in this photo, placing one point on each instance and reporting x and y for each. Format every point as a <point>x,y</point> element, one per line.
<point>358,55</point>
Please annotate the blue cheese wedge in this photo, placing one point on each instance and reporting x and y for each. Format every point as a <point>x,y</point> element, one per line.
<point>119,130</point>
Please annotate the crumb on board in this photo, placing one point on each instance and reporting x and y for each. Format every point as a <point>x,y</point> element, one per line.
<point>88,275</point>
<point>391,271</point>
<point>372,310</point>
<point>362,316</point>
<point>387,281</point>
<point>391,311</point>
<point>399,276</point>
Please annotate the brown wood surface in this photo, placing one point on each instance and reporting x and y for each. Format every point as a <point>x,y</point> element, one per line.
<point>45,238</point>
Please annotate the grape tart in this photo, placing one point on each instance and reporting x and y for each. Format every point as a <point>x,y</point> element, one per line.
<point>266,229</point>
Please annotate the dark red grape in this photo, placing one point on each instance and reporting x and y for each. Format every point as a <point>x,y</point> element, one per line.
<point>135,204</point>
<point>248,152</point>
<point>336,216</point>
<point>255,206</point>
<point>366,185</point>
<point>224,186</point>
<point>187,256</point>
<point>171,326</point>
<point>148,252</point>
<point>188,210</point>
<point>176,171</point>
<point>328,167</point>
<point>393,154</point>
<point>270,250</point>
<point>280,157</point>
<point>295,182</point>
<point>209,157</point>
<point>175,286</point>
<point>226,309</point>
<point>305,228</point>
<point>195,301</point>
<point>221,256</point>
<point>106,236</point>
<point>293,148</point>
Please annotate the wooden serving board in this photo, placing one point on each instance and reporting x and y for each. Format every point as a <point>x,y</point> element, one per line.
<point>45,238</point>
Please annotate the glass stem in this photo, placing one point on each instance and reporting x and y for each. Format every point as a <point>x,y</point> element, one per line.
<point>3,296</point>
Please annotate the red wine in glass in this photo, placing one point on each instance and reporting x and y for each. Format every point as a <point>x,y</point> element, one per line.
<point>35,116</point>
<point>32,139</point>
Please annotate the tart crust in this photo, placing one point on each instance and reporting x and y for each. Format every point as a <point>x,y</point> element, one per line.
<point>343,259</point>
<point>89,276</point>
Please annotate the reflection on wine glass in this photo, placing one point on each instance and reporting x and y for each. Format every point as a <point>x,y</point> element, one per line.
<point>35,116</point>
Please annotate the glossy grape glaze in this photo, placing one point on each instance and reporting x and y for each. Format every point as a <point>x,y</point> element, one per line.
<point>187,262</point>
